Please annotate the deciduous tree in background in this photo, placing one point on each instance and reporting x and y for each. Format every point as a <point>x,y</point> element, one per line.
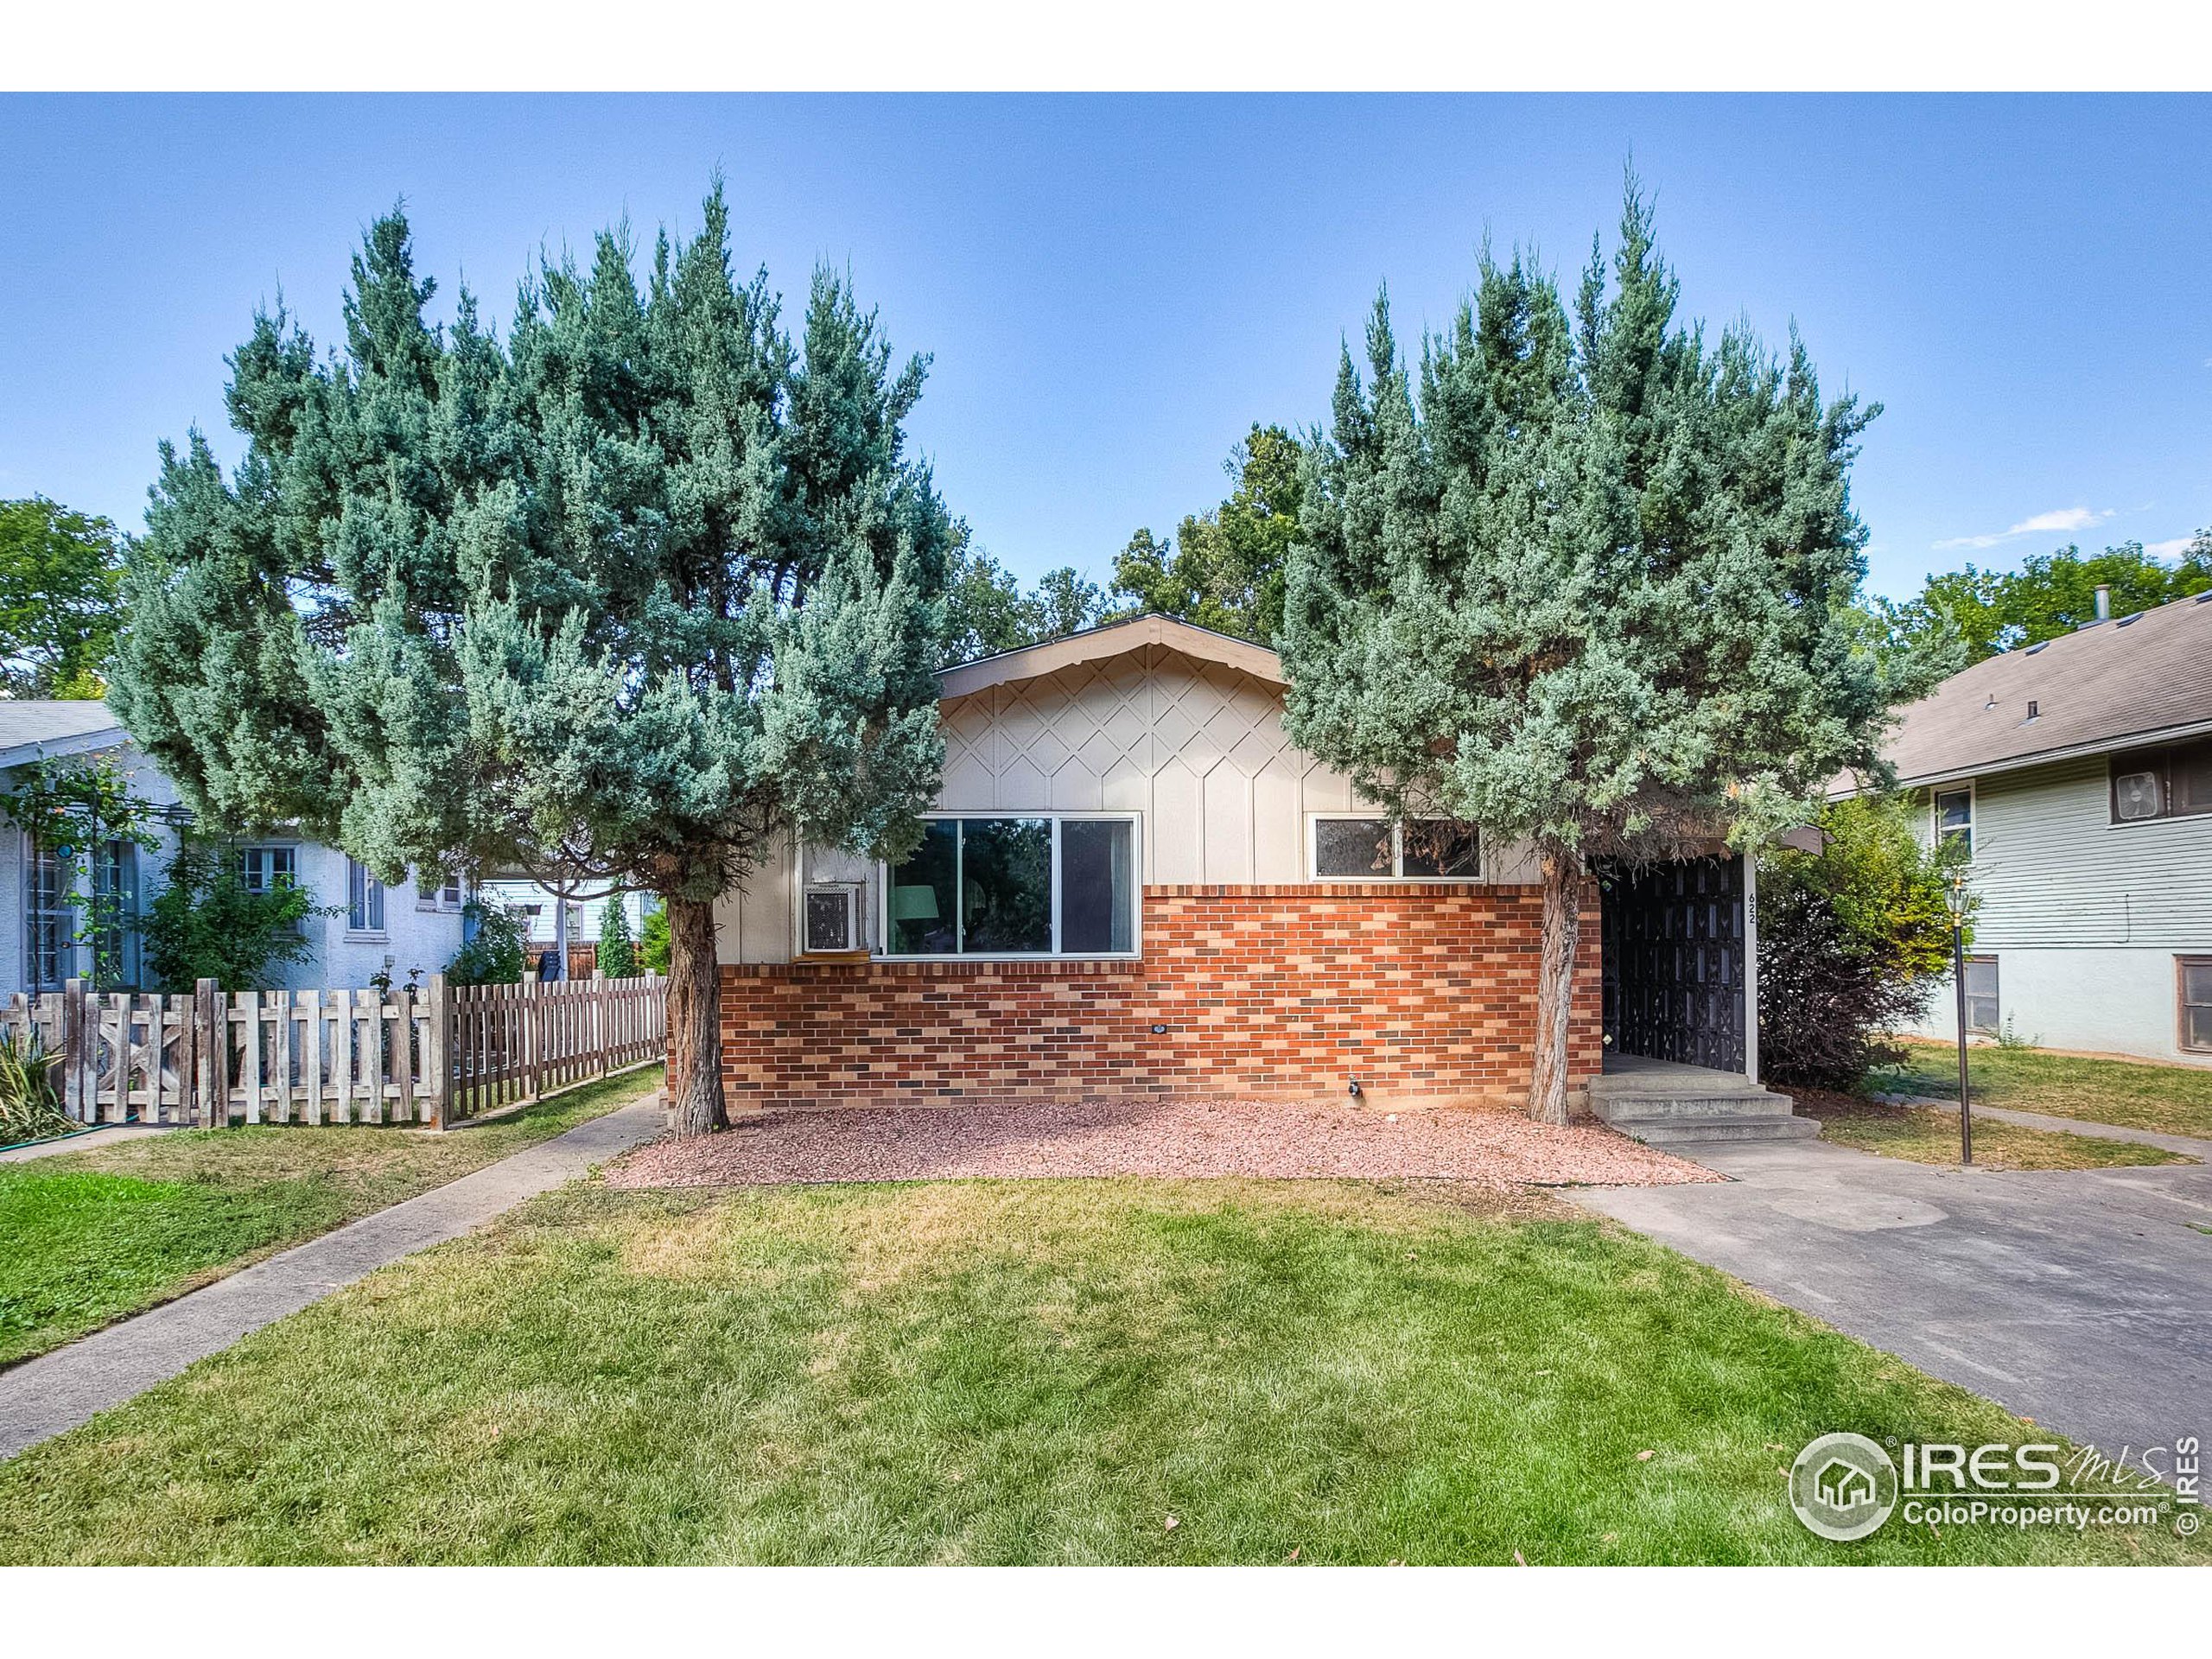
<point>2051,594</point>
<point>632,594</point>
<point>1586,583</point>
<point>59,575</point>
<point>1224,569</point>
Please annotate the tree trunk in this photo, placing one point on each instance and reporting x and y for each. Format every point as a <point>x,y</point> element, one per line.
<point>1562,936</point>
<point>695,1036</point>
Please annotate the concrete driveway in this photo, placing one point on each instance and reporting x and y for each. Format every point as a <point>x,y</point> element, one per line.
<point>2082,1299</point>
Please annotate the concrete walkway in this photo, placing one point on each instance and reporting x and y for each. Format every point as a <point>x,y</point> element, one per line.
<point>58,1391</point>
<point>106,1137</point>
<point>2188,1145</point>
<point>2082,1299</point>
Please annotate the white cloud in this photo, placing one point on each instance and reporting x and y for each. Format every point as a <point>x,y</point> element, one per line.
<point>2172,549</point>
<point>2059,520</point>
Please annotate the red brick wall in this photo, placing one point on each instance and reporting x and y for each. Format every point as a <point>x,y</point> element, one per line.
<point>1419,990</point>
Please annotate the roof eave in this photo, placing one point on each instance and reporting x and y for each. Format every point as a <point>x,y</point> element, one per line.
<point>1112,639</point>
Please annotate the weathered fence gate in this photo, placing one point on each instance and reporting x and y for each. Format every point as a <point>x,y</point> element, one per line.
<point>434,1056</point>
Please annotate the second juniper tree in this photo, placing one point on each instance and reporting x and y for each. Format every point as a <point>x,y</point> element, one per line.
<point>1582,576</point>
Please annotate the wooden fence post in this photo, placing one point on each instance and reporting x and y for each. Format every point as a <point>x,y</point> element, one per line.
<point>212,1044</point>
<point>437,1052</point>
<point>76,1052</point>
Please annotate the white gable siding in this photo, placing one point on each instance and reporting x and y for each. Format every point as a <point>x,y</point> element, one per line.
<point>1197,747</point>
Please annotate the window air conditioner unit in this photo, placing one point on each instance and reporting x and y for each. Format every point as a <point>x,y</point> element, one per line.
<point>831,920</point>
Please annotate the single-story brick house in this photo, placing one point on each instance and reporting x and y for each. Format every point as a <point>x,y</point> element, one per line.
<point>1133,881</point>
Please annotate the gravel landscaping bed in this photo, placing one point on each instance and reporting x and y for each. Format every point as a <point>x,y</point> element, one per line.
<point>1175,1137</point>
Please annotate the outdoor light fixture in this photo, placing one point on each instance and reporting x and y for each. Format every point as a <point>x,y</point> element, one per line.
<point>1956,899</point>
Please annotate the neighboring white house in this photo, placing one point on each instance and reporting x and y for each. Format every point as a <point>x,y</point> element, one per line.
<point>2079,772</point>
<point>539,909</point>
<point>373,930</point>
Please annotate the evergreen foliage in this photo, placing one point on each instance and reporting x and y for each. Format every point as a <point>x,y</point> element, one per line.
<point>1584,577</point>
<point>1853,940</point>
<point>632,594</point>
<point>617,955</point>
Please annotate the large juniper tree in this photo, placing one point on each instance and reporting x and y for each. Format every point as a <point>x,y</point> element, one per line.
<point>634,592</point>
<point>1586,586</point>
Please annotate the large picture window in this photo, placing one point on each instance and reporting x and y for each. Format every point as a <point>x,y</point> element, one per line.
<point>1028,884</point>
<point>1347,848</point>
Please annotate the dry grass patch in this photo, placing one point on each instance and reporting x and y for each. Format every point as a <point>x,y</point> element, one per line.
<point>1924,1134</point>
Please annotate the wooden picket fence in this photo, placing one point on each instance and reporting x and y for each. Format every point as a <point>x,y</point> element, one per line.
<point>434,1056</point>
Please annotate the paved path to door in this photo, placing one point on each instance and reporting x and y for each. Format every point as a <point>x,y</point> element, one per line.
<point>60,1390</point>
<point>2082,1299</point>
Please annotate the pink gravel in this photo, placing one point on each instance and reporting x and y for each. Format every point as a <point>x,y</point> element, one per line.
<point>1178,1136</point>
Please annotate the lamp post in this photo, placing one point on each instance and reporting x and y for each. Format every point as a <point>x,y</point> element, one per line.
<point>1955,899</point>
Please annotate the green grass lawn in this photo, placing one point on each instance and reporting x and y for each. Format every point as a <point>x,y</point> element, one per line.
<point>1009,1372</point>
<point>1927,1134</point>
<point>2176,1099</point>
<point>87,1237</point>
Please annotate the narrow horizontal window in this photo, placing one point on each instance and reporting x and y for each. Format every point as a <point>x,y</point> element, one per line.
<point>1027,884</point>
<point>1350,849</point>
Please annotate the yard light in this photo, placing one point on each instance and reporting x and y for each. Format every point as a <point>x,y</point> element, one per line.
<point>1957,900</point>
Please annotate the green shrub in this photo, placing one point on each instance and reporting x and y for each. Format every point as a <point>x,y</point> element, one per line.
<point>498,945</point>
<point>1853,941</point>
<point>207,923</point>
<point>652,940</point>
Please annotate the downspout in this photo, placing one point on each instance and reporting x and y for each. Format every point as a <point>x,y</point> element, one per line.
<point>1751,964</point>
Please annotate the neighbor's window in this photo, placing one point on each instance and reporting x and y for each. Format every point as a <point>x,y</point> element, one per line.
<point>1348,848</point>
<point>2196,974</point>
<point>364,899</point>
<point>261,868</point>
<point>48,919</point>
<point>1954,817</point>
<point>1981,993</point>
<point>1035,885</point>
<point>2171,783</point>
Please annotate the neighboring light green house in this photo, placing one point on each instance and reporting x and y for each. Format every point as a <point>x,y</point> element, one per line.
<point>2079,772</point>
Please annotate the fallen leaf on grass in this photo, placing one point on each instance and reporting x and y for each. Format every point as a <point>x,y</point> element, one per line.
<point>1643,1457</point>
<point>1171,1523</point>
<point>1517,1562</point>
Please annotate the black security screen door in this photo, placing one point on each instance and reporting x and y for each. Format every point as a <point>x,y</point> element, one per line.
<point>1673,970</point>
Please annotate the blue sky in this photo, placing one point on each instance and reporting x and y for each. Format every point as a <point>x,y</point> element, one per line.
<point>1115,288</point>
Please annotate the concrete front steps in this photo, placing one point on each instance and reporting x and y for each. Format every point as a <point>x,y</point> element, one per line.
<point>1663,1105</point>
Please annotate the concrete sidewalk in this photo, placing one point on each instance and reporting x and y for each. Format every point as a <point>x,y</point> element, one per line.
<point>2080,1297</point>
<point>58,1391</point>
